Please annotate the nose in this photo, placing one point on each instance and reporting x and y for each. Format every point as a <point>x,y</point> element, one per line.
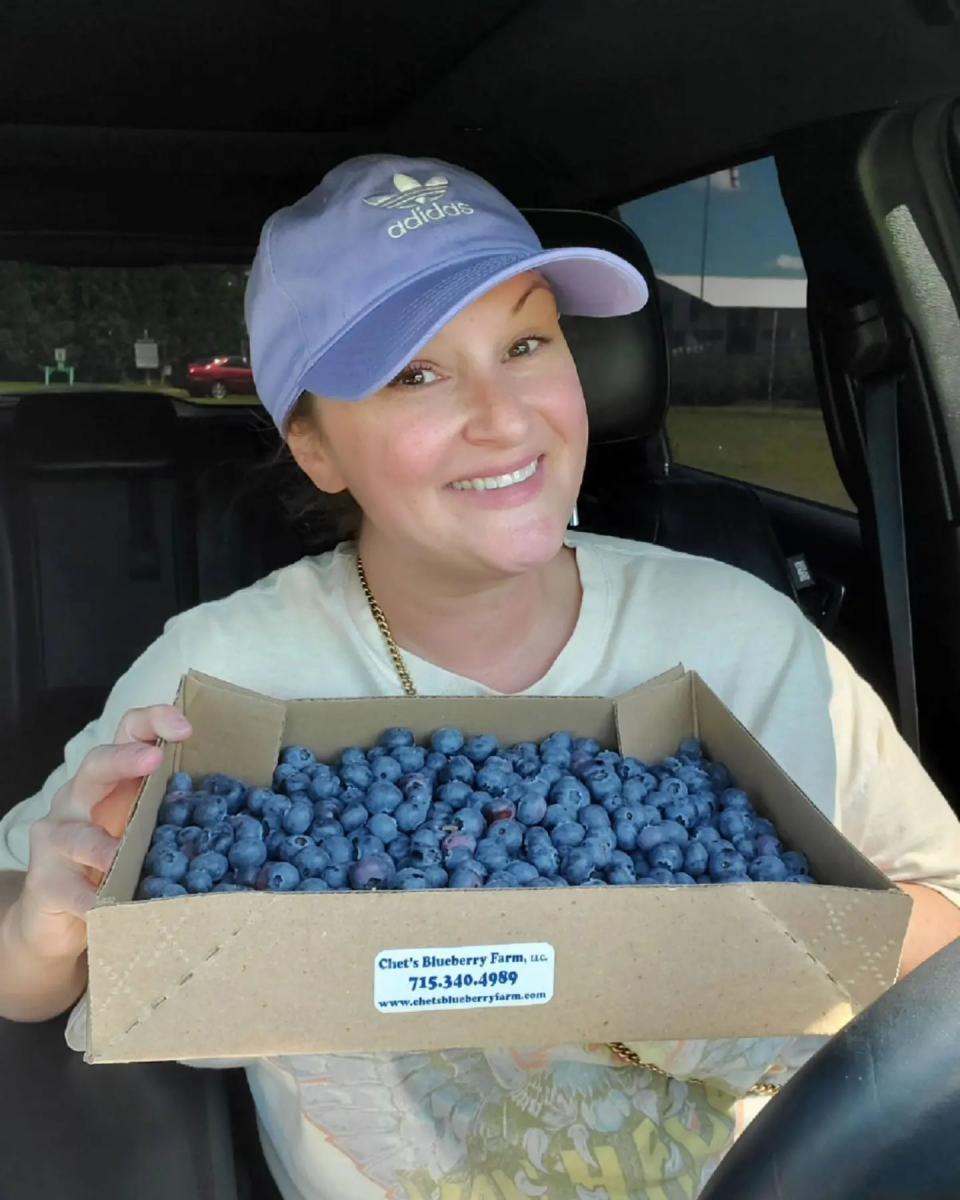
<point>497,413</point>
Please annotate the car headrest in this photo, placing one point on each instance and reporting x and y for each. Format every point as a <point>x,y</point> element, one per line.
<point>622,361</point>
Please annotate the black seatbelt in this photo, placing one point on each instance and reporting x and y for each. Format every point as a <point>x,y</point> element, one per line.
<point>881,403</point>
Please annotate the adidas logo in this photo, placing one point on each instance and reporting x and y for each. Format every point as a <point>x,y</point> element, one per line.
<point>421,200</point>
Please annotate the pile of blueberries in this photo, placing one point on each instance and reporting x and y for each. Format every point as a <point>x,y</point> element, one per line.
<point>462,812</point>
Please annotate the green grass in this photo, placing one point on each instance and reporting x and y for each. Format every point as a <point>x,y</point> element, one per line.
<point>8,387</point>
<point>782,448</point>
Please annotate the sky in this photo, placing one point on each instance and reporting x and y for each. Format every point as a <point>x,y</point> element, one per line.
<point>749,234</point>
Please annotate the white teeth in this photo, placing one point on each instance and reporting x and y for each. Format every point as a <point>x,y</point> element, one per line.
<point>490,482</point>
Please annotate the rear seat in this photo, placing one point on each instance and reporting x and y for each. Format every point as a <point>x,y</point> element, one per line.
<point>119,510</point>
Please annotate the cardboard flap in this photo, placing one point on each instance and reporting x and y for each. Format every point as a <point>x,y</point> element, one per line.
<point>242,731</point>
<point>653,719</point>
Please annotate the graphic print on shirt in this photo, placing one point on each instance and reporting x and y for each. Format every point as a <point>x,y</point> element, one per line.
<point>514,1124</point>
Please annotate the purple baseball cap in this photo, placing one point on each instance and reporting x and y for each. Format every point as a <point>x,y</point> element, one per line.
<point>349,283</point>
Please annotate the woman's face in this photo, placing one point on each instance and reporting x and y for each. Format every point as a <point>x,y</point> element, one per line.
<point>494,394</point>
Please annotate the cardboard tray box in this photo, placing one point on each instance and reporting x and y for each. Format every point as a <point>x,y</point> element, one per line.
<point>253,974</point>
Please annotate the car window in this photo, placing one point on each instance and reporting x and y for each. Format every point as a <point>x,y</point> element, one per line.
<point>136,328</point>
<point>744,401</point>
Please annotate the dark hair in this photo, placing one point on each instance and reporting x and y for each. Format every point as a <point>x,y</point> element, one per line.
<point>319,519</point>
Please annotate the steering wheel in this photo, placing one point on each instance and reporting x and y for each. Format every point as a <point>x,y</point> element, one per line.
<point>874,1115</point>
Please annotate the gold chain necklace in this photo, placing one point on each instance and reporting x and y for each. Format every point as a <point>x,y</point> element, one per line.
<point>623,1052</point>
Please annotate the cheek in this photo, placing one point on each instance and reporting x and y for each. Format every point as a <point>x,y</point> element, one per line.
<point>563,405</point>
<point>394,450</point>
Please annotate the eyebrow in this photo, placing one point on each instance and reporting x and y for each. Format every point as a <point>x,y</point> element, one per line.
<point>532,288</point>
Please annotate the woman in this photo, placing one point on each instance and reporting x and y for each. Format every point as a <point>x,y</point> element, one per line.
<point>404,334</point>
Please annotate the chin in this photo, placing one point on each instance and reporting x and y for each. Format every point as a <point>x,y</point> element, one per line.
<point>517,551</point>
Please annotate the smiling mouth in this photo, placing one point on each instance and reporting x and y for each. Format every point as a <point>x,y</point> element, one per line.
<point>490,482</point>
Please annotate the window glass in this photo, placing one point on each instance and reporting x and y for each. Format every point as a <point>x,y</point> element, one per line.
<point>732,284</point>
<point>127,327</point>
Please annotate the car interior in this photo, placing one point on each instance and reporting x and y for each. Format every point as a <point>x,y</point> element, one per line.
<point>176,133</point>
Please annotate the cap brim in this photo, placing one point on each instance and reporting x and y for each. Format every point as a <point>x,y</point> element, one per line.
<point>365,357</point>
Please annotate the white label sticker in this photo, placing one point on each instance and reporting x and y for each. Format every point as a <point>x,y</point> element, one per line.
<point>457,977</point>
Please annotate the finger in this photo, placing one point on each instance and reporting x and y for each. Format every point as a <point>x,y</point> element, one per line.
<point>84,844</point>
<point>103,769</point>
<point>53,894</point>
<point>157,721</point>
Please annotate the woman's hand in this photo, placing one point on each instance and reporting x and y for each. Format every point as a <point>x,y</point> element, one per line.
<point>72,848</point>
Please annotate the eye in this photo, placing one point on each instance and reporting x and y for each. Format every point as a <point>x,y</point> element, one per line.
<point>526,346</point>
<point>414,375</point>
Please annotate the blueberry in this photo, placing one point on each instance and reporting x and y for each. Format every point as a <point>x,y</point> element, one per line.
<point>554,815</point>
<point>509,834</point>
<point>800,878</point>
<point>576,865</point>
<point>324,787</point>
<point>278,877</point>
<point>198,881</point>
<point>745,846</point>
<point>586,745</point>
<point>313,883</point>
<point>501,879</point>
<point>166,862</point>
<point>298,818</point>
<point>471,821</point>
<point>435,761</point>
<point>479,748</point>
<point>465,877</point>
<point>458,769</point>
<point>383,826</point>
<point>528,768</point>
<point>492,854</point>
<point>436,875</point>
<point>224,886</point>
<point>424,856</point>
<point>457,848</point>
<point>320,830</point>
<point>165,833</point>
<point>249,852</point>
<point>620,875</point>
<point>397,735</point>
<point>761,827</point>
<point>667,855</point>
<point>673,831</point>
<point>684,812</point>
<point>493,779</point>
<point>175,810</point>
<point>631,768</point>
<point>659,876</point>
<point>335,876</point>
<point>254,800</point>
<point>603,783</point>
<point>410,758</point>
<point>353,817</point>
<point>372,872</point>
<point>572,791</point>
<point>706,835</point>
<point>273,841</point>
<point>601,845</point>
<point>637,791</point>
<point>626,833</point>
<point>531,809</point>
<point>498,809</point>
<point>411,879</point>
<point>556,758</point>
<point>399,847</point>
<point>736,799</point>
<point>768,845</point>
<point>352,755</point>
<point>291,846</point>
<point>690,748</point>
<point>340,849</point>
<point>282,773</point>
<point>456,792</point>
<point>536,837</point>
<point>696,859</point>
<point>245,828</point>
<point>276,805</point>
<point>152,887</point>
<point>299,782</point>
<point>215,864</point>
<point>383,796</point>
<point>179,781</point>
<point>356,774</point>
<point>795,862</point>
<point>768,868</point>
<point>365,845</point>
<point>417,785</point>
<point>650,836</point>
<point>410,814</point>
<point>245,877</point>
<point>705,807</point>
<point>387,768</point>
<point>727,865</point>
<point>733,824</point>
<point>447,741</point>
<point>546,859</point>
<point>298,757</point>
<point>522,872</point>
<point>439,812</point>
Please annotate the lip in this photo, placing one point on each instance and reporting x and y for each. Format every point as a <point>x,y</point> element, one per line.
<point>515,496</point>
<point>493,472</point>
